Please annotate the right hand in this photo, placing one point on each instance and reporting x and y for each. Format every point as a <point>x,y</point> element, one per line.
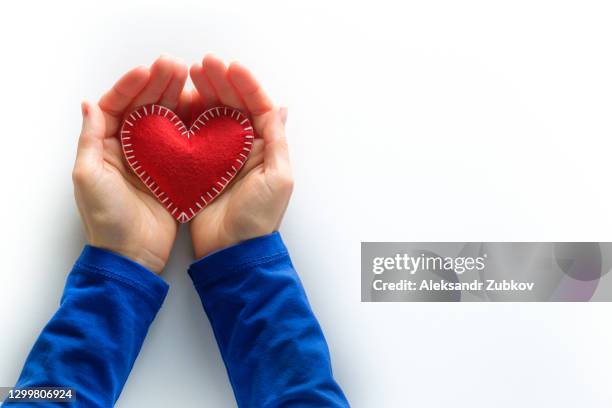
<point>255,201</point>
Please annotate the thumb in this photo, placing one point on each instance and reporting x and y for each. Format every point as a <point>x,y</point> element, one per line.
<point>91,142</point>
<point>276,153</point>
<point>283,112</point>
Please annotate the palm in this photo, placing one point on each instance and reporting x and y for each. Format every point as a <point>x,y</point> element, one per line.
<point>131,201</point>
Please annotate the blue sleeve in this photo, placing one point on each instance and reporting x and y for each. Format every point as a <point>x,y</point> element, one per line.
<point>270,341</point>
<point>93,339</point>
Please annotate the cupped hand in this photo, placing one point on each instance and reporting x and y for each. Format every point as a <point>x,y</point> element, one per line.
<point>118,212</point>
<point>255,202</point>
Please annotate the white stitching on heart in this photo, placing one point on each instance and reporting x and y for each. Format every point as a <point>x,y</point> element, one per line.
<point>202,119</point>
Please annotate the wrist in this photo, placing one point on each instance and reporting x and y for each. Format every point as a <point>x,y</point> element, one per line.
<point>110,264</point>
<point>140,256</point>
<point>207,247</point>
<point>203,247</point>
<point>237,259</point>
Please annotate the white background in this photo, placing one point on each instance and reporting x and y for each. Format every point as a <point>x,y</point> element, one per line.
<point>408,121</point>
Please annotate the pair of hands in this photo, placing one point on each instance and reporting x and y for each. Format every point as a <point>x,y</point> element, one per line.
<point>117,210</point>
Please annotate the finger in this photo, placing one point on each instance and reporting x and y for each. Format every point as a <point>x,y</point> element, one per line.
<point>171,95</point>
<point>254,97</point>
<point>256,157</point>
<point>283,112</point>
<point>90,150</point>
<point>205,90</point>
<point>161,74</point>
<point>183,107</point>
<point>119,97</point>
<point>276,151</point>
<point>197,104</point>
<point>216,72</point>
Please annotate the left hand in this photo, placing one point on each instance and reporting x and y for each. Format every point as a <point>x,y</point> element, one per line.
<point>117,210</point>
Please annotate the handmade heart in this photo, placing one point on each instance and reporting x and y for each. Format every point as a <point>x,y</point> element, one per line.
<point>186,169</point>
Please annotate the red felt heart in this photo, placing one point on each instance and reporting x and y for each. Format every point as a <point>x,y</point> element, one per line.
<point>186,169</point>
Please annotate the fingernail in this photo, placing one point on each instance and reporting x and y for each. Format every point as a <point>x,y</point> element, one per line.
<point>283,112</point>
<point>235,64</point>
<point>84,109</point>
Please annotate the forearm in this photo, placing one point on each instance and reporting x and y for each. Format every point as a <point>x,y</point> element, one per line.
<point>92,341</point>
<point>272,344</point>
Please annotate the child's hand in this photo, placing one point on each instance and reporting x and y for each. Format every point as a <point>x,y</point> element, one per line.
<point>118,212</point>
<point>254,203</point>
